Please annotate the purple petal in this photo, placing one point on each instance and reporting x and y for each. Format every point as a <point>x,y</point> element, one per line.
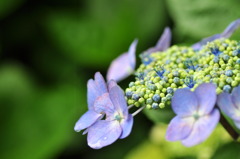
<point>236,97</point>
<point>184,102</point>
<point>206,94</point>
<point>226,105</point>
<point>118,100</point>
<point>92,93</point>
<point>120,68</point>
<point>100,83</point>
<point>198,45</point>
<point>111,84</point>
<point>132,53</point>
<point>103,104</point>
<point>163,43</point>
<point>202,128</point>
<point>95,89</point>
<point>126,125</point>
<point>237,123</point>
<point>87,120</point>
<point>123,65</point>
<point>165,40</point>
<point>103,133</point>
<point>231,28</point>
<point>179,128</point>
<point>225,34</point>
<point>85,131</point>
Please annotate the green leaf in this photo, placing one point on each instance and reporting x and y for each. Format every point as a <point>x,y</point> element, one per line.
<point>36,122</point>
<point>230,150</point>
<point>8,6</point>
<point>197,19</point>
<point>158,147</point>
<point>95,36</point>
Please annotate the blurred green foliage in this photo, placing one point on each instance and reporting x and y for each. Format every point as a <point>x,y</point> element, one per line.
<point>202,18</point>
<point>229,150</point>
<point>8,6</point>
<point>158,148</point>
<point>104,28</point>
<point>36,120</point>
<point>50,48</point>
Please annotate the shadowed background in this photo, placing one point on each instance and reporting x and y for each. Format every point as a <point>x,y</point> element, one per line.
<point>50,48</point>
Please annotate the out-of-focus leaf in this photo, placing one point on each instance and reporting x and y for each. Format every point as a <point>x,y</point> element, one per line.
<point>147,150</point>
<point>197,19</point>
<point>8,6</point>
<point>157,146</point>
<point>96,35</point>
<point>36,122</point>
<point>230,150</point>
<point>160,116</point>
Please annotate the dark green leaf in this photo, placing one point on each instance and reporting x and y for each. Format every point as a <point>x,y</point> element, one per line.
<point>227,151</point>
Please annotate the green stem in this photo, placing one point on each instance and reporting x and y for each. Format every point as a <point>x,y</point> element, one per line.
<point>229,128</point>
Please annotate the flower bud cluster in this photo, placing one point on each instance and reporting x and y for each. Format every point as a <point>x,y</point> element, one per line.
<point>162,73</point>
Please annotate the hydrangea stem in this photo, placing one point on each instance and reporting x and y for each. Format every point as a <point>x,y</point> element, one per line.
<point>138,111</point>
<point>130,106</point>
<point>229,128</point>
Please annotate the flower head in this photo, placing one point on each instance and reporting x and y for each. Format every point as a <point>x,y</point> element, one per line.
<point>230,105</point>
<point>117,125</point>
<point>160,71</point>
<point>195,117</point>
<point>105,100</point>
<point>189,82</point>
<point>189,64</point>
<point>123,65</point>
<point>215,51</point>
<point>146,58</point>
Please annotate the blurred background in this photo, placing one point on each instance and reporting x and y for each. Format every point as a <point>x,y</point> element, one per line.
<point>50,48</point>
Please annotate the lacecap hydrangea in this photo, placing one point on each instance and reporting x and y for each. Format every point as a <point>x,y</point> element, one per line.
<point>199,82</point>
<point>162,73</point>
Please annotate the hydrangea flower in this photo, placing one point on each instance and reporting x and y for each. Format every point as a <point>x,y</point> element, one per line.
<point>195,117</point>
<point>225,34</point>
<point>96,90</point>
<point>117,125</point>
<point>123,65</point>
<point>108,101</point>
<point>230,105</point>
<point>168,78</point>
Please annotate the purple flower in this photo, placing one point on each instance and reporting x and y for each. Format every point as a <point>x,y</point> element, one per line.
<point>97,90</point>
<point>123,65</point>
<point>163,43</point>
<point>117,125</point>
<point>225,34</point>
<point>196,116</point>
<point>230,105</point>
<point>105,101</point>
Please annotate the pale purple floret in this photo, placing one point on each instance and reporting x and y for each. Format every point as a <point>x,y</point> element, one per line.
<point>109,101</point>
<point>230,105</point>
<point>163,43</point>
<point>231,28</point>
<point>195,117</point>
<point>96,90</point>
<point>124,65</point>
<point>117,125</point>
